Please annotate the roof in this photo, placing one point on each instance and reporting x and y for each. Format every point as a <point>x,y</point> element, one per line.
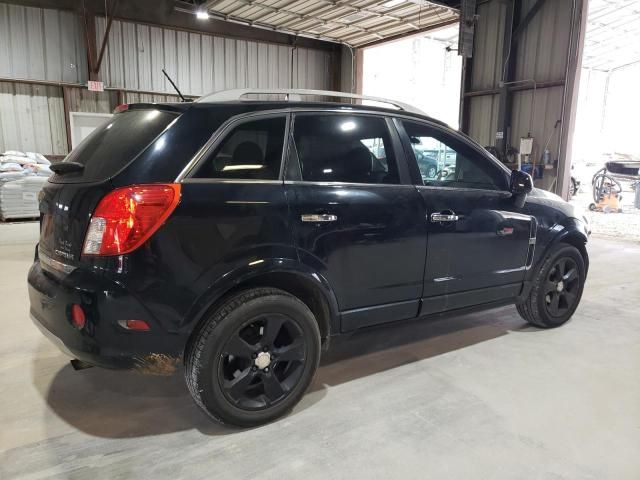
<point>237,107</point>
<point>612,39</point>
<point>352,22</point>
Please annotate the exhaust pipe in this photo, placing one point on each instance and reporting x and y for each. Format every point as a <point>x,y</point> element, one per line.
<point>79,364</point>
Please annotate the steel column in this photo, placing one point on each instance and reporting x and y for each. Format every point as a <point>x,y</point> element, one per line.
<point>570,97</point>
<point>512,16</point>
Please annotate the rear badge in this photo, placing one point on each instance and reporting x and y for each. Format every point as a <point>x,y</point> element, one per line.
<point>63,254</point>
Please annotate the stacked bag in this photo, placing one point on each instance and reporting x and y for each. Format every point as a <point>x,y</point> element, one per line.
<point>22,176</point>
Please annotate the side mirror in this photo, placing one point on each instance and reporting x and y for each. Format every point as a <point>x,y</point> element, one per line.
<point>521,184</point>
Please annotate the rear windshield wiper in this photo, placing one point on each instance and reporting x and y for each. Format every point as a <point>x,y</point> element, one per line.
<point>66,167</point>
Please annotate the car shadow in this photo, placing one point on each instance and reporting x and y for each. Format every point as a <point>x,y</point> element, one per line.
<point>125,404</point>
<point>375,350</point>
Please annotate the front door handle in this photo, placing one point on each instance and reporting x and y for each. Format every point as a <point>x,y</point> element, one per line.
<point>318,217</point>
<point>446,216</point>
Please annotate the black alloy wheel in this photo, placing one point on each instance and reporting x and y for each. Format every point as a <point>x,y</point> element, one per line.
<point>556,288</point>
<point>262,362</point>
<point>254,356</point>
<point>562,287</point>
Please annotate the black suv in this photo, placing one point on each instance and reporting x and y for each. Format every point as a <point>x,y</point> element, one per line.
<point>238,236</point>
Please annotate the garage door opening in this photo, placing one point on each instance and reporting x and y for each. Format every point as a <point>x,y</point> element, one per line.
<point>423,70</point>
<point>605,135</point>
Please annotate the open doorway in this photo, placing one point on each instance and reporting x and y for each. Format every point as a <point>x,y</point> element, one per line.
<point>606,127</point>
<point>422,70</point>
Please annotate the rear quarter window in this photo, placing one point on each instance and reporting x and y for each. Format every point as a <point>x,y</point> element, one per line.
<point>113,145</point>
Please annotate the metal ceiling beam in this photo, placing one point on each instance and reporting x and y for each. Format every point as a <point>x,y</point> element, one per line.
<point>380,28</point>
<point>311,22</point>
<point>409,20</point>
<point>337,21</point>
<point>400,36</point>
<point>284,11</point>
<point>607,11</point>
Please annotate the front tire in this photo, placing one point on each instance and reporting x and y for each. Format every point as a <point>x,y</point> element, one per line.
<point>557,288</point>
<point>254,358</point>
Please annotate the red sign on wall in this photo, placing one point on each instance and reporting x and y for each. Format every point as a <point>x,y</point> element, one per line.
<point>95,86</point>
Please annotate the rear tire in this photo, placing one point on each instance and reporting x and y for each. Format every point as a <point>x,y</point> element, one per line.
<point>557,288</point>
<point>254,358</point>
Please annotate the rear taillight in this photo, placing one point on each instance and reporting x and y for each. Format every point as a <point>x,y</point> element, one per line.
<point>125,218</point>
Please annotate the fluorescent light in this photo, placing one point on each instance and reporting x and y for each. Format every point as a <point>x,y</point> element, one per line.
<point>327,170</point>
<point>202,15</point>
<point>228,168</point>
<point>348,126</point>
<point>392,3</point>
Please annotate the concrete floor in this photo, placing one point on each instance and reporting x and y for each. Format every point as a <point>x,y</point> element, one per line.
<point>479,396</point>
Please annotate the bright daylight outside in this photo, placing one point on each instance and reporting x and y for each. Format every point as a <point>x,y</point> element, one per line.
<point>606,146</point>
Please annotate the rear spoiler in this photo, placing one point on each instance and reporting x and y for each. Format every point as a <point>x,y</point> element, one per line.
<point>178,107</point>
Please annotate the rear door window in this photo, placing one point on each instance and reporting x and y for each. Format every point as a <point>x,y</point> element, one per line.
<point>252,151</point>
<point>113,145</point>
<point>344,148</point>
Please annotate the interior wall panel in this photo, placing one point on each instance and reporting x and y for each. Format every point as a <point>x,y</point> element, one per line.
<point>542,52</point>
<point>32,118</point>
<point>203,63</point>
<point>82,100</point>
<point>541,56</point>
<point>135,97</point>
<point>41,44</point>
<point>487,62</point>
<point>484,119</point>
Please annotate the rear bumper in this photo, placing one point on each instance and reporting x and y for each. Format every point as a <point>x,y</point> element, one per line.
<point>103,341</point>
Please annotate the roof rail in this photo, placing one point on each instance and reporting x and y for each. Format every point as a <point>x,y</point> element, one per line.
<point>295,94</point>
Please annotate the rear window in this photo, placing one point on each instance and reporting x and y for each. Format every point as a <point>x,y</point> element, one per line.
<point>110,147</point>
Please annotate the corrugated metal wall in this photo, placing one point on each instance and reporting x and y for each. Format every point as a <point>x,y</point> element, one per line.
<point>32,118</point>
<point>202,63</point>
<point>47,45</point>
<point>41,44</point>
<point>347,70</point>
<point>134,97</point>
<point>541,57</point>
<point>82,100</point>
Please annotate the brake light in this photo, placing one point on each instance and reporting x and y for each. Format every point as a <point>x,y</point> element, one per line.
<point>127,217</point>
<point>121,108</point>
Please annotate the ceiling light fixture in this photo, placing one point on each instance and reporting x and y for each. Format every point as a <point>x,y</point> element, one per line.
<point>202,15</point>
<point>392,3</point>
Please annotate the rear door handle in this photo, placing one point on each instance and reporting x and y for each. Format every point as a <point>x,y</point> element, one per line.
<point>444,217</point>
<point>318,217</point>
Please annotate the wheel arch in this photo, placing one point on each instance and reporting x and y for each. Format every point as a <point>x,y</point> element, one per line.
<point>573,232</point>
<point>578,240</point>
<point>310,287</point>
